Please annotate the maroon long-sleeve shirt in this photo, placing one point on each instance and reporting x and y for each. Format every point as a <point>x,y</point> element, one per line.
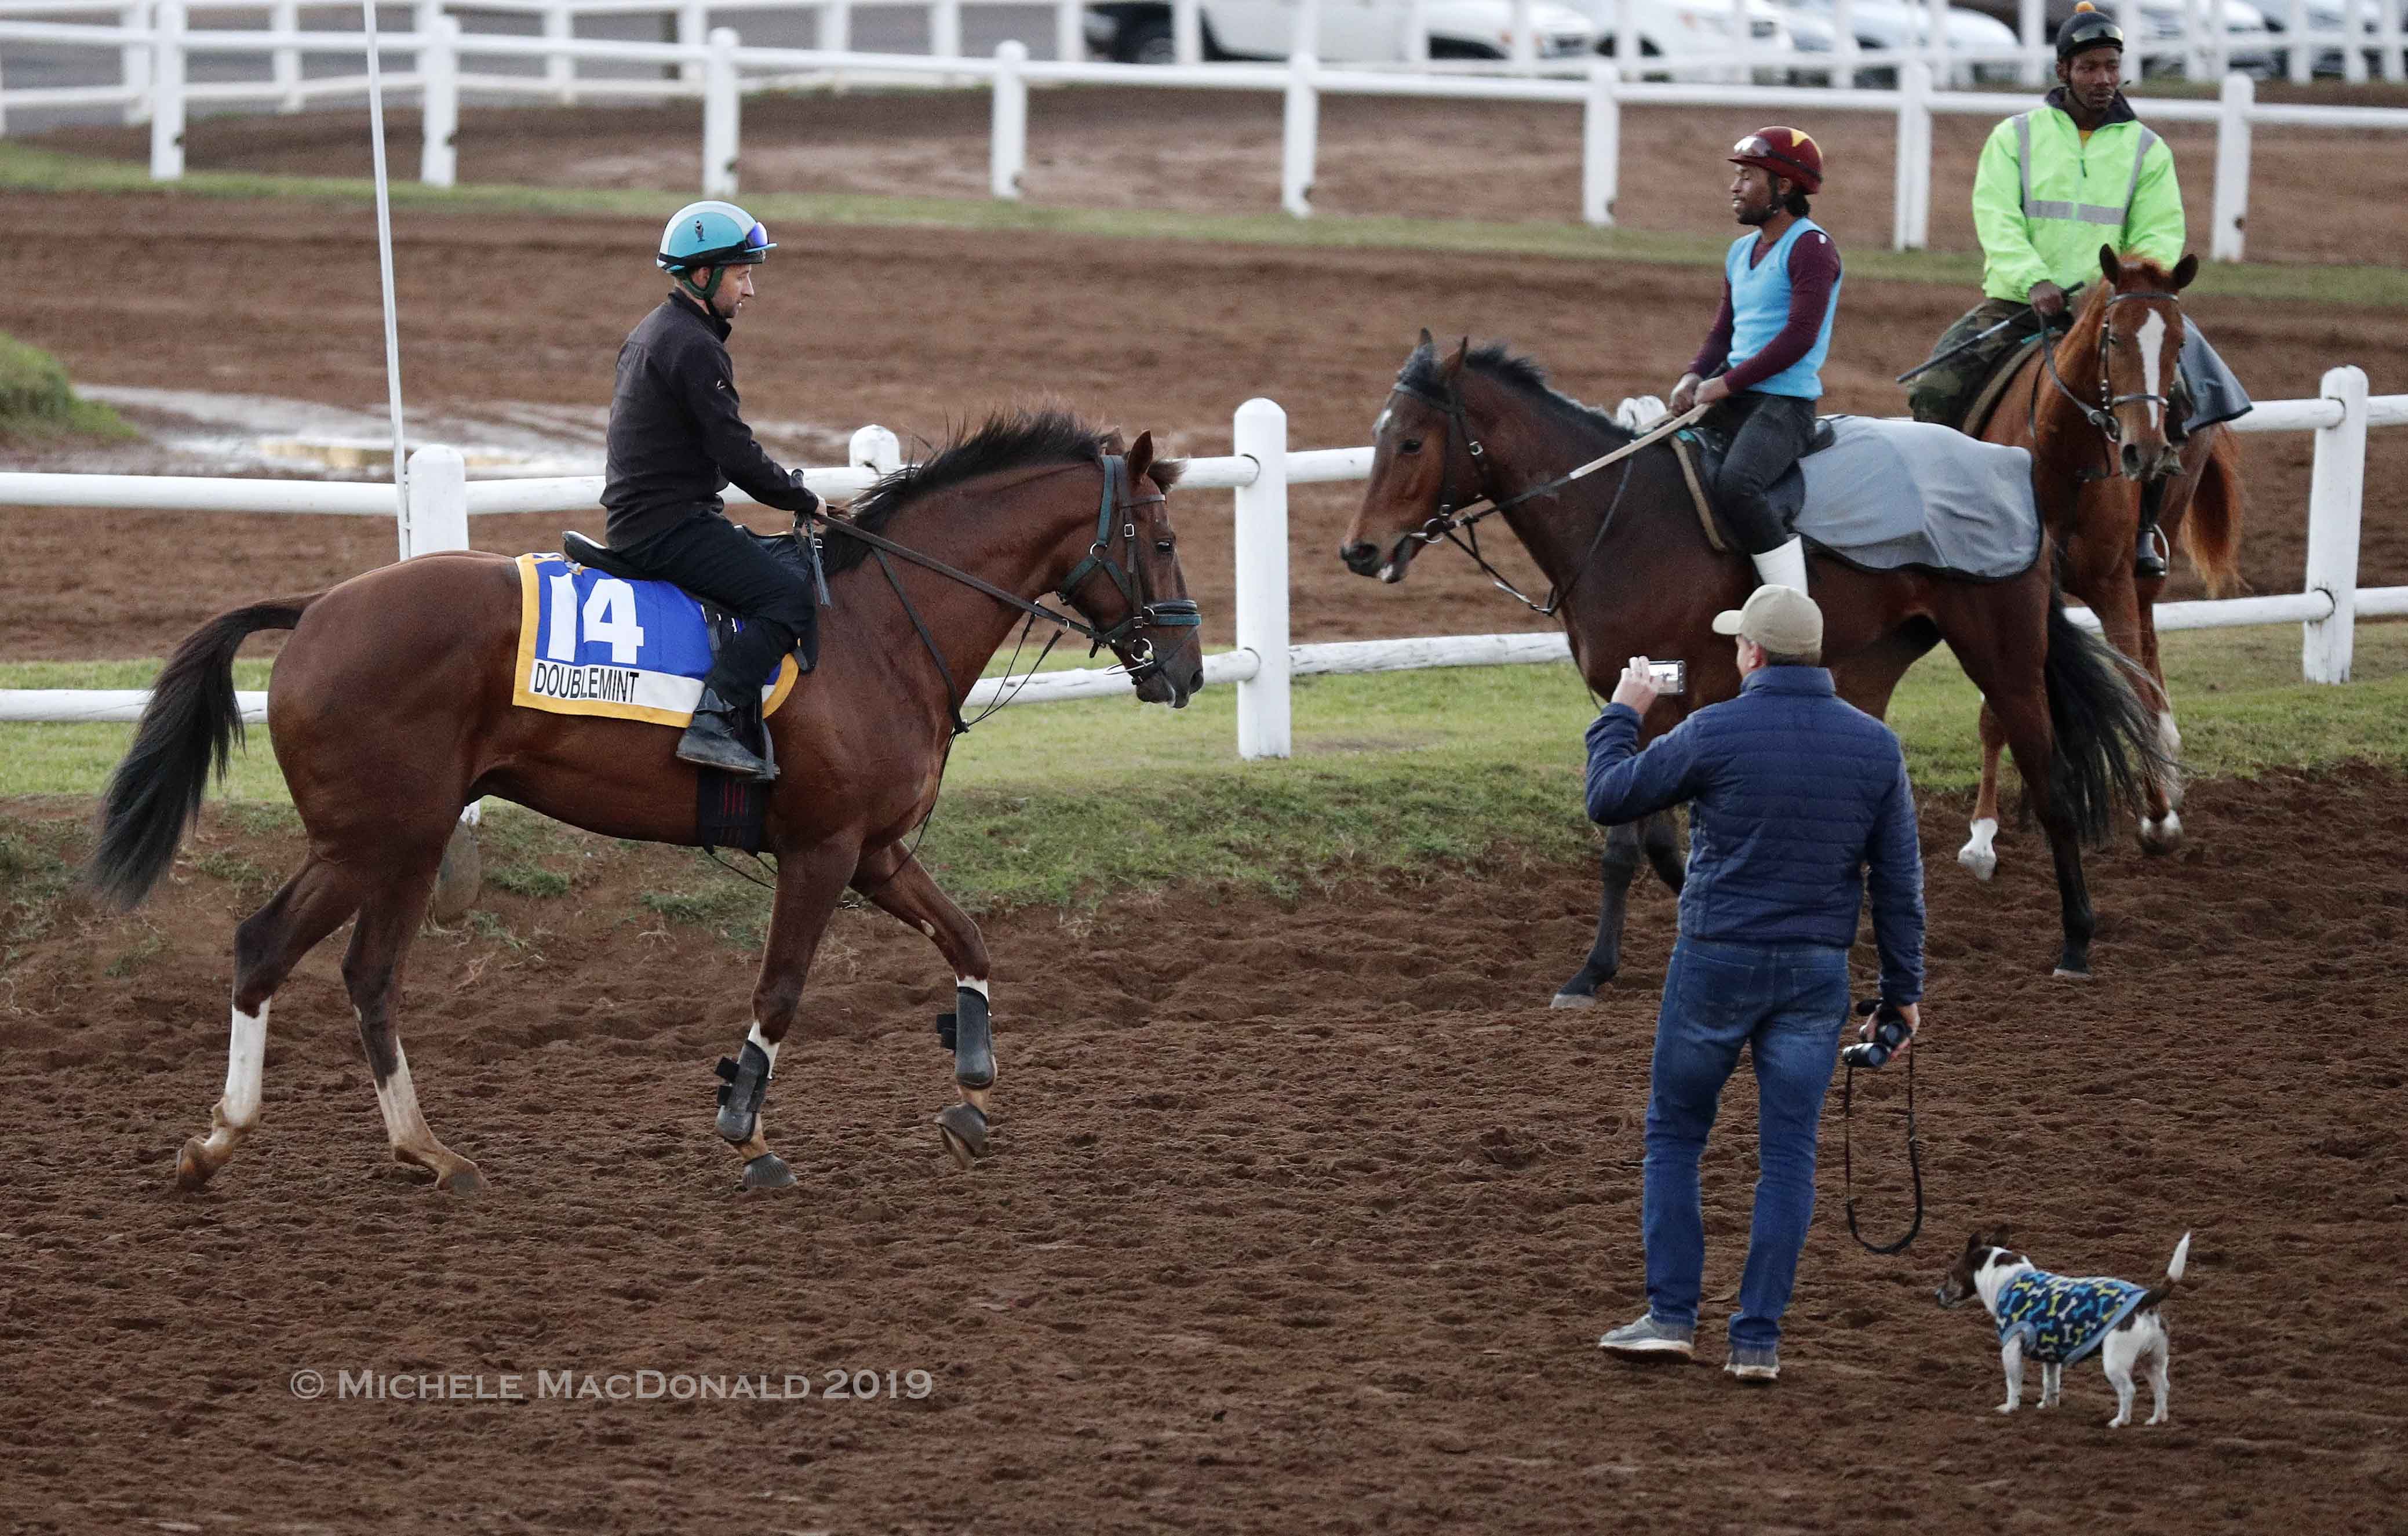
<point>1813,273</point>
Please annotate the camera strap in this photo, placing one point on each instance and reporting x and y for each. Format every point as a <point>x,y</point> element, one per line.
<point>1848,1167</point>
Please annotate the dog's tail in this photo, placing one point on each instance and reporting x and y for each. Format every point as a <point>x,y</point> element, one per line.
<point>2158,1292</point>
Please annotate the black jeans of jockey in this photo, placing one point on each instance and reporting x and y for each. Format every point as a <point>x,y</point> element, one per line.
<point>1769,433</point>
<point>713,558</point>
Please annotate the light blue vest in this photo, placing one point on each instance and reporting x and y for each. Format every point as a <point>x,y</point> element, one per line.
<point>1760,308</point>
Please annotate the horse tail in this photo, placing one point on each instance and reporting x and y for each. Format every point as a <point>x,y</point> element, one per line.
<point>189,726</point>
<point>2211,529</point>
<point>2106,738</point>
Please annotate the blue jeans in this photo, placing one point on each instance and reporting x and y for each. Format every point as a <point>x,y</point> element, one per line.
<point>1785,1002</point>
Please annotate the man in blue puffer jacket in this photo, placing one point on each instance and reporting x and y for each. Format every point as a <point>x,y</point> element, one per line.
<point>1799,801</point>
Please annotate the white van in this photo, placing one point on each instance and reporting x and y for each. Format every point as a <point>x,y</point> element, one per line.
<point>1350,31</point>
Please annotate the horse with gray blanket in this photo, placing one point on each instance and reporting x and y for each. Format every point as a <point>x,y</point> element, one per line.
<point>1634,569</point>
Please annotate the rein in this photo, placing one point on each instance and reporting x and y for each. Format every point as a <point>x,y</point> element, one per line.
<point>1848,1163</point>
<point>1447,521</point>
<point>2102,417</point>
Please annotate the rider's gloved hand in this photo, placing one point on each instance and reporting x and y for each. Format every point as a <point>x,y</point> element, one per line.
<point>2047,299</point>
<point>811,501</point>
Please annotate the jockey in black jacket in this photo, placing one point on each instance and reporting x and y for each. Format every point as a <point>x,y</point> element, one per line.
<point>677,438</point>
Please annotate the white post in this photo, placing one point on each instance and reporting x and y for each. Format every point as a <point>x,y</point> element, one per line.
<point>1187,31</point>
<point>438,65</point>
<point>1305,36</point>
<point>1600,146</point>
<point>2336,492</point>
<point>559,69</point>
<point>1260,434</point>
<point>2239,95</point>
<point>2353,41</point>
<point>1743,45</point>
<point>945,28</point>
<point>1843,42</point>
<point>1912,216</point>
<point>167,94</point>
<point>286,17</point>
<point>1944,67</point>
<point>1525,47</point>
<point>1071,31</point>
<point>835,26</point>
<point>133,60</point>
<point>719,115</point>
<point>2298,52</point>
<point>1299,137</point>
<point>2388,18</point>
<point>693,31</point>
<point>1627,46</point>
<point>437,515</point>
<point>876,449</point>
<point>2031,31</point>
<point>1415,50</point>
<point>1007,135</point>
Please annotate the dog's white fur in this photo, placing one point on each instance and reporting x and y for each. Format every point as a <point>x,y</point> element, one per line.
<point>2138,1339</point>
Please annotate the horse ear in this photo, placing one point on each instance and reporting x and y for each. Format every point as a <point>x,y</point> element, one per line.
<point>1112,442</point>
<point>2184,270</point>
<point>1141,458</point>
<point>1427,339</point>
<point>2109,263</point>
<point>1454,366</point>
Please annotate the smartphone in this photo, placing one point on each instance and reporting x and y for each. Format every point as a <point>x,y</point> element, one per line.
<point>1670,677</point>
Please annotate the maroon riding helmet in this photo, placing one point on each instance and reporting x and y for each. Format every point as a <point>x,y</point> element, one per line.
<point>1786,152</point>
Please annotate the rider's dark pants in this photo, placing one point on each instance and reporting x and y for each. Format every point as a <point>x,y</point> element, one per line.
<point>713,558</point>
<point>1769,433</point>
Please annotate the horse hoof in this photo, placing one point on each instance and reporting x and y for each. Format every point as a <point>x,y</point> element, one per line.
<point>192,1168</point>
<point>463,1180</point>
<point>2068,973</point>
<point>1573,999</point>
<point>1982,864</point>
<point>2161,836</point>
<point>768,1172</point>
<point>964,1129</point>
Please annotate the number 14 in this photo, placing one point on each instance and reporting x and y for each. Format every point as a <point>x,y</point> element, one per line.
<point>609,619</point>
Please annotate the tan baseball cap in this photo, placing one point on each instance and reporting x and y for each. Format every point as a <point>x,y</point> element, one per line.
<point>1782,620</point>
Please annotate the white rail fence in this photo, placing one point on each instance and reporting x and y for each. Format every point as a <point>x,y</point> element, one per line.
<point>722,70</point>
<point>1260,470</point>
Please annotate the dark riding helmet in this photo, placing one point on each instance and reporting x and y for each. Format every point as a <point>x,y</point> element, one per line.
<point>2087,29</point>
<point>1784,152</point>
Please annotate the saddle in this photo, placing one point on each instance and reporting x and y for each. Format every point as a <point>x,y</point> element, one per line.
<point>1702,447</point>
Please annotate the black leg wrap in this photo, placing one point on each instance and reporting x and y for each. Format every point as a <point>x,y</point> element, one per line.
<point>739,1099</point>
<point>945,1031</point>
<point>973,1040</point>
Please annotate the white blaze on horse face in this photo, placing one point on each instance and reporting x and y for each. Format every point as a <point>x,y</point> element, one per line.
<point>1381,425</point>
<point>769,1047</point>
<point>2153,336</point>
<point>246,1055</point>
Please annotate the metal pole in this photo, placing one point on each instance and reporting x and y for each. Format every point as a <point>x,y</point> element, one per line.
<point>1260,433</point>
<point>385,266</point>
<point>2336,493</point>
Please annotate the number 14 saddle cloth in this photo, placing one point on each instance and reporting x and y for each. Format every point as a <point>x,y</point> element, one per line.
<point>596,644</point>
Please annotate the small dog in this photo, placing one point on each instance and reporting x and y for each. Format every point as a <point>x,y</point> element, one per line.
<point>2058,1320</point>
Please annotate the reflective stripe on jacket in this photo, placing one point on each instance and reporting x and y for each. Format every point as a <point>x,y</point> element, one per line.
<point>2044,201</point>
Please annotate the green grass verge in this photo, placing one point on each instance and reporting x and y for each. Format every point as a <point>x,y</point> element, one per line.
<point>37,401</point>
<point>41,170</point>
<point>1405,775</point>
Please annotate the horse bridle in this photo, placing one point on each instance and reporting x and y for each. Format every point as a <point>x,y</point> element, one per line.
<point>1447,521</point>
<point>1145,611</point>
<point>2103,417</point>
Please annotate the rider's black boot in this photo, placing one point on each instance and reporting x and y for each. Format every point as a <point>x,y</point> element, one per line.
<point>711,741</point>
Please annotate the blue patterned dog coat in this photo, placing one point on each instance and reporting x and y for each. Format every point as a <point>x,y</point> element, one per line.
<point>2061,1318</point>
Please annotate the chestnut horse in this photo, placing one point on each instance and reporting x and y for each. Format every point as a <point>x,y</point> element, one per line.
<point>2093,410</point>
<point>1632,574</point>
<point>391,710</point>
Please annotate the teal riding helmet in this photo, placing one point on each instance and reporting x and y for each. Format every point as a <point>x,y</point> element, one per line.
<point>714,234</point>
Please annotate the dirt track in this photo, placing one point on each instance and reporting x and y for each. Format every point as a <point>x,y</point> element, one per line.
<point>1301,1219</point>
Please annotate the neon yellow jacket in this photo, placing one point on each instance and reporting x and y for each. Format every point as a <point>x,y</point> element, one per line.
<point>2044,202</point>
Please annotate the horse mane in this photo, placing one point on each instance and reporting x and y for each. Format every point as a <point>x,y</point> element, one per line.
<point>1497,361</point>
<point>1005,440</point>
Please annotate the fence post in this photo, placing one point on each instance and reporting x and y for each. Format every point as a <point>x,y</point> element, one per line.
<point>1071,31</point>
<point>2388,18</point>
<point>1627,46</point>
<point>1943,63</point>
<point>835,26</point>
<point>1260,433</point>
<point>1416,39</point>
<point>1742,44</point>
<point>2031,31</point>
<point>1008,131</point>
<point>1299,137</point>
<point>1843,43</point>
<point>945,28</point>
<point>1187,31</point>
<point>875,447</point>
<point>1912,218</point>
<point>167,94</point>
<point>438,63</point>
<point>693,31</point>
<point>2336,495</point>
<point>133,60</point>
<point>559,69</point>
<point>2239,94</point>
<point>286,17</point>
<point>2353,41</point>
<point>1601,145</point>
<point>719,115</point>
<point>2298,52</point>
<point>436,515</point>
<point>1525,45</point>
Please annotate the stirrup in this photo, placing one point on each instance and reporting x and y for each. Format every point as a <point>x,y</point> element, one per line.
<point>710,741</point>
<point>2149,557</point>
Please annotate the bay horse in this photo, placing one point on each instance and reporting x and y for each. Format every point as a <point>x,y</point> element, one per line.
<point>391,710</point>
<point>1631,573</point>
<point>2093,409</point>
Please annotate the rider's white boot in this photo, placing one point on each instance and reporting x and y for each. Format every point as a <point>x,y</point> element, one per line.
<point>1784,566</point>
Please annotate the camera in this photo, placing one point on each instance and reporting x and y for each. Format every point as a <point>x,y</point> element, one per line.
<point>1670,677</point>
<point>1890,1030</point>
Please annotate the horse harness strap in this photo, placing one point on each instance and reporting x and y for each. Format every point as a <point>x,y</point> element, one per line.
<point>2099,416</point>
<point>1687,454</point>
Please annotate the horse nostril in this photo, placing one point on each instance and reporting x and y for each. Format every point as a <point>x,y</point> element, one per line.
<point>1361,558</point>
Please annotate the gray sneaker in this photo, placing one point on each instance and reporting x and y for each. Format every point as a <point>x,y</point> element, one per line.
<point>1754,1363</point>
<point>1651,1336</point>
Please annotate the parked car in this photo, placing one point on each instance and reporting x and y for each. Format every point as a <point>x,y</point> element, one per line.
<point>2154,21</point>
<point>1671,30</point>
<point>1350,31</point>
<point>1894,24</point>
<point>2326,17</point>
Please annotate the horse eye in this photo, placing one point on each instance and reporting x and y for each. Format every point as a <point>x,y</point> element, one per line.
<point>1411,445</point>
<point>1162,546</point>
